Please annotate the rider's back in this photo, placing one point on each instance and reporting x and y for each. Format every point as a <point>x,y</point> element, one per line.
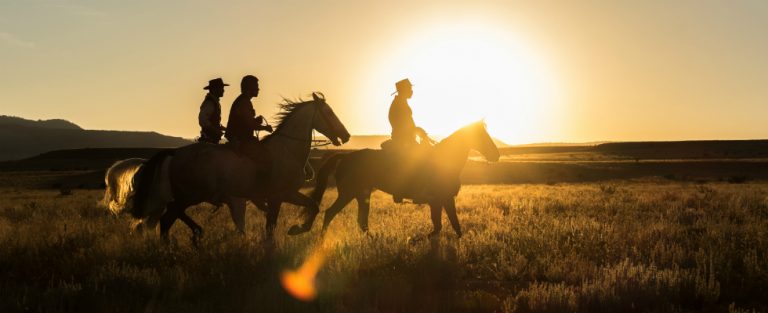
<point>239,126</point>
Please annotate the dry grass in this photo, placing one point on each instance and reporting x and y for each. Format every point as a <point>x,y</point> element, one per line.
<point>621,247</point>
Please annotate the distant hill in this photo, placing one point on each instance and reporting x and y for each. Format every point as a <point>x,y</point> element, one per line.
<point>52,124</point>
<point>21,138</point>
<point>77,159</point>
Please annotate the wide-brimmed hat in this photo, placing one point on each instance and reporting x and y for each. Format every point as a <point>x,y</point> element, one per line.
<point>402,85</point>
<point>216,82</point>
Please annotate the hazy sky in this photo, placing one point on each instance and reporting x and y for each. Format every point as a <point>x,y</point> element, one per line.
<point>538,71</point>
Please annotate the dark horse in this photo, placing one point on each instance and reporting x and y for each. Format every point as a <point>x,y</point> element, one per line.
<point>176,179</point>
<point>359,173</point>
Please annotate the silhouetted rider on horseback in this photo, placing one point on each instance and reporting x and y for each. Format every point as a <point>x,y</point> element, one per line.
<point>404,130</point>
<point>243,122</point>
<point>210,112</point>
<point>403,144</point>
<point>242,117</point>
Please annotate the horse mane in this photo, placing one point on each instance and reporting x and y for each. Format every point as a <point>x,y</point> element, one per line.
<point>288,107</point>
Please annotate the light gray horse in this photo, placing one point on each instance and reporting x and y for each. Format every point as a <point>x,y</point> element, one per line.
<point>174,180</point>
<point>119,184</point>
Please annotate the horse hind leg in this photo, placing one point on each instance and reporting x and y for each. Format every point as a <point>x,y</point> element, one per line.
<point>197,231</point>
<point>273,212</point>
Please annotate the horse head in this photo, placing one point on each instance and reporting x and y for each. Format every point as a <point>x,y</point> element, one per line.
<point>481,141</point>
<point>327,123</point>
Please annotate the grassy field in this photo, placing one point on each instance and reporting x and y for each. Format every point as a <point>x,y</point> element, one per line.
<point>627,246</point>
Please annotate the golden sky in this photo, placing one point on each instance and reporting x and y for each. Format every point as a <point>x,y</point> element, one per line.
<point>537,71</point>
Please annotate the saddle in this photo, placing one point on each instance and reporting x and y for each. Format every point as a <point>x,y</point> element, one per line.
<point>257,152</point>
<point>406,152</point>
<point>412,163</point>
<point>253,149</point>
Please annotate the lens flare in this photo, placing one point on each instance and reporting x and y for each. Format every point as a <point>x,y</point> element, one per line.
<point>301,283</point>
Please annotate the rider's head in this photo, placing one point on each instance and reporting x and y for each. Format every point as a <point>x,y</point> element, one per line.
<point>216,87</point>
<point>250,86</point>
<point>404,88</point>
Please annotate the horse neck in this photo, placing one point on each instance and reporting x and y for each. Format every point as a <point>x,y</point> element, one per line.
<point>295,133</point>
<point>453,151</point>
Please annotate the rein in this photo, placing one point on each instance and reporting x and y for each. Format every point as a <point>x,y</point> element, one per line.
<point>309,172</point>
<point>314,143</point>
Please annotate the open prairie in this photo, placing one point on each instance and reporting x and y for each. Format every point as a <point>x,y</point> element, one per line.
<point>620,246</point>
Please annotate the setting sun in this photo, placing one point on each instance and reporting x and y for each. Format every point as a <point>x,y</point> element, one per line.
<point>464,72</point>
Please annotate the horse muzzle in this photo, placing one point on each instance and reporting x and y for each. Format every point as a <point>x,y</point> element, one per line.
<point>344,138</point>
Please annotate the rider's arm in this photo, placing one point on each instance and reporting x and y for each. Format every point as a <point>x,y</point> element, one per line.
<point>257,123</point>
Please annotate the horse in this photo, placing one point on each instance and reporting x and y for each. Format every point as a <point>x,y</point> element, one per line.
<point>175,179</point>
<point>358,173</point>
<point>119,184</point>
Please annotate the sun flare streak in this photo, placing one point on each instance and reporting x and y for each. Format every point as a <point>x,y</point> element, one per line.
<point>301,283</point>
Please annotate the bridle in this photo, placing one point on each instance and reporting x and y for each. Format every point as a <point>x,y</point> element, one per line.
<point>308,170</point>
<point>313,142</point>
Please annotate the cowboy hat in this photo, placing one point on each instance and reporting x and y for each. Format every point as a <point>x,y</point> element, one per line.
<point>216,82</point>
<point>402,85</point>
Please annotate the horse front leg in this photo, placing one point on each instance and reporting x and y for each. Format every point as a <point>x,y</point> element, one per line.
<point>363,208</point>
<point>436,210</point>
<point>450,210</point>
<point>311,211</point>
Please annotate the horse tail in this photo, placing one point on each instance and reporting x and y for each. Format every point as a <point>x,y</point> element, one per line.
<point>119,184</point>
<point>322,176</point>
<point>151,186</point>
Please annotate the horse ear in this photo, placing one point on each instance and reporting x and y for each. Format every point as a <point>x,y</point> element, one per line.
<point>315,97</point>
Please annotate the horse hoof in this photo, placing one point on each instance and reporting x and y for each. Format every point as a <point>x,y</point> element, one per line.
<point>296,230</point>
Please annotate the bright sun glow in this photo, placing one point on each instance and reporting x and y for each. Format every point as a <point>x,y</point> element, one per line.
<point>470,71</point>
